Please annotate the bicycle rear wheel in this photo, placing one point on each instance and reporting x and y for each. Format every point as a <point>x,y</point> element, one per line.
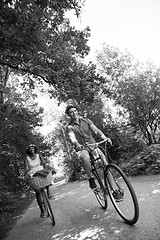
<point>126,204</point>
<point>48,207</point>
<point>100,191</point>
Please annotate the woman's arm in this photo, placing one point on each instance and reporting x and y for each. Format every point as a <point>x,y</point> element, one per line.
<point>42,161</point>
<point>26,165</point>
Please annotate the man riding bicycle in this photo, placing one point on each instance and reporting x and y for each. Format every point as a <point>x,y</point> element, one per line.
<point>79,131</point>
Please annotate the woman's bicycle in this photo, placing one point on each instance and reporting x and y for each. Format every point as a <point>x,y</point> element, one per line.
<point>45,200</point>
<point>47,205</point>
<point>111,181</point>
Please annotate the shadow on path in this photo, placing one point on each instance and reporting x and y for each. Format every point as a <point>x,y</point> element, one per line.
<point>9,220</point>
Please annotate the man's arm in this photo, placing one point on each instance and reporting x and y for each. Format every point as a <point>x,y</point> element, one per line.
<point>73,139</point>
<point>99,133</point>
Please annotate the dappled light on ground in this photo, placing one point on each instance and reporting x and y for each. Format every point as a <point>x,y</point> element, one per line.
<point>154,192</point>
<point>79,216</point>
<point>86,220</point>
<point>156,189</point>
<point>86,234</point>
<point>59,196</point>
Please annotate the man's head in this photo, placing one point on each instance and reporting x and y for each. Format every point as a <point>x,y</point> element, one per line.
<point>72,112</point>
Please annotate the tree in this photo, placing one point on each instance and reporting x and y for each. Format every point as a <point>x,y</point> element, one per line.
<point>135,87</point>
<point>80,84</point>
<point>38,40</point>
<point>141,97</point>
<point>19,116</point>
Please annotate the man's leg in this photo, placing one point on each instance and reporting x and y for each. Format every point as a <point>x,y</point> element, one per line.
<point>116,194</point>
<point>85,159</point>
<point>98,153</point>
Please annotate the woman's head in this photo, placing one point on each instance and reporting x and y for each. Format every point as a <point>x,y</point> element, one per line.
<point>31,149</point>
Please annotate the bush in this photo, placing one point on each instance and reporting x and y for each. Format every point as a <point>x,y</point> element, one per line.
<point>146,162</point>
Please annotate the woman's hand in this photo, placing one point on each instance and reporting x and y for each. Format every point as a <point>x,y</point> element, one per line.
<point>29,174</point>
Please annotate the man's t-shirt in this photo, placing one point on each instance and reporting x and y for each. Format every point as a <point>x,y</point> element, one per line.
<point>82,130</point>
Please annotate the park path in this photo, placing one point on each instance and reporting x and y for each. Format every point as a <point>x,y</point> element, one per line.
<point>79,217</point>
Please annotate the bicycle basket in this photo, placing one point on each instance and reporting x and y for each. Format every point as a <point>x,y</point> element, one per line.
<point>38,182</point>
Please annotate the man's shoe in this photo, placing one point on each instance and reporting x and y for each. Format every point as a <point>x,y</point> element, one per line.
<point>117,195</point>
<point>92,183</point>
<point>50,196</point>
<point>42,215</point>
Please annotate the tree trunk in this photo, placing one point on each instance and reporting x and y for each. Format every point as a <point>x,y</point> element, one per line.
<point>149,137</point>
<point>3,82</point>
<point>1,87</point>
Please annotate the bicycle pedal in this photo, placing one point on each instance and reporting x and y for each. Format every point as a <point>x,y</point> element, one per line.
<point>106,192</point>
<point>95,190</point>
<point>47,214</point>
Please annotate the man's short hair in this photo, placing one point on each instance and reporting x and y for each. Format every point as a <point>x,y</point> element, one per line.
<point>69,107</point>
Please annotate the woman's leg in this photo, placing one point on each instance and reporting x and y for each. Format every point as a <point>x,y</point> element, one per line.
<point>39,201</point>
<point>48,192</point>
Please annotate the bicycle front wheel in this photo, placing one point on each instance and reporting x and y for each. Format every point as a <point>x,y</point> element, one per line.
<point>48,207</point>
<point>122,194</point>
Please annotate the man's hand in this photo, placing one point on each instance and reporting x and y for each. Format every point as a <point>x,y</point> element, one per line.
<point>109,141</point>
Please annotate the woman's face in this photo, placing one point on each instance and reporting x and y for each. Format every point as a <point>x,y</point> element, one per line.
<point>31,150</point>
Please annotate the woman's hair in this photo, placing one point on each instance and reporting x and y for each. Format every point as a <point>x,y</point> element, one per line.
<point>31,145</point>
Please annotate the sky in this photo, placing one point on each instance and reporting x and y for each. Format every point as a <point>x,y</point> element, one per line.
<point>133,25</point>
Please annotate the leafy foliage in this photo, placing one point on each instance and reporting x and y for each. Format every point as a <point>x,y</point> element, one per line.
<point>145,162</point>
<point>38,40</point>
<point>135,88</point>
<point>81,84</point>
<point>19,116</point>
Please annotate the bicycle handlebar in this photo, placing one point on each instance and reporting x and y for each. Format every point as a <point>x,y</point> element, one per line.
<point>95,144</point>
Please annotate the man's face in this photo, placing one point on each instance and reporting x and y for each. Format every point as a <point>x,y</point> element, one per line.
<point>73,113</point>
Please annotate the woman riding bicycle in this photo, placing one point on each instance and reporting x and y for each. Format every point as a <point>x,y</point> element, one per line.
<point>34,163</point>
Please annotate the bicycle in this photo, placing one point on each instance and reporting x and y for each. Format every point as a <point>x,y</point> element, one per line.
<point>45,200</point>
<point>47,206</point>
<point>111,179</point>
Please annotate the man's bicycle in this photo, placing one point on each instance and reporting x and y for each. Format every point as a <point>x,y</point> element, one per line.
<point>111,181</point>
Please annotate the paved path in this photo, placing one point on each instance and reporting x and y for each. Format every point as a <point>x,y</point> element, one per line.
<point>79,217</point>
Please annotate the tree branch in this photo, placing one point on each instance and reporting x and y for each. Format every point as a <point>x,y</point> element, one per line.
<point>23,70</point>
